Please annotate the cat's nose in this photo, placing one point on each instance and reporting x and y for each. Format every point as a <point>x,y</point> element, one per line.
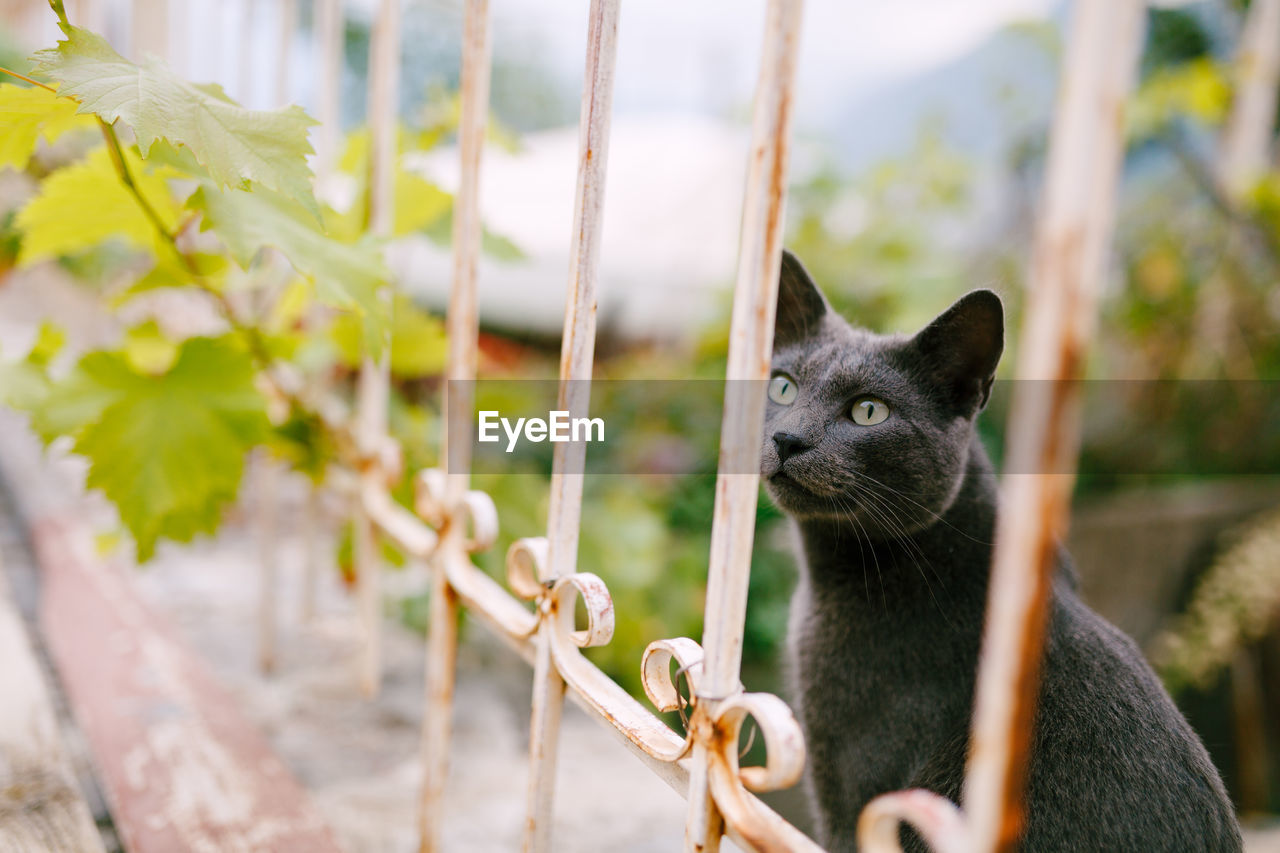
<point>789,445</point>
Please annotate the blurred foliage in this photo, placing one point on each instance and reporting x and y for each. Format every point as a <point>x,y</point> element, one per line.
<point>884,244</point>
<point>209,199</point>
<point>1174,37</point>
<point>294,280</point>
<point>1234,604</point>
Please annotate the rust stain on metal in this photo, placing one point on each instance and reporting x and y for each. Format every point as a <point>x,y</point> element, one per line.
<point>1043,441</point>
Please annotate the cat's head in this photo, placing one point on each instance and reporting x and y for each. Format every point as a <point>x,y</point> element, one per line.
<point>873,428</point>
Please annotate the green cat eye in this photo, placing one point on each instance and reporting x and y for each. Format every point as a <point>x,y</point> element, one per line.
<point>868,411</point>
<point>782,389</point>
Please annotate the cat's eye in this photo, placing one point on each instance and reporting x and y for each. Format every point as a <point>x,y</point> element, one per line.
<point>783,390</point>
<point>868,411</point>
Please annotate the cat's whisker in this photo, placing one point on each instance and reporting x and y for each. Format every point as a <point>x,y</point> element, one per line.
<point>912,548</point>
<point>848,513</point>
<point>935,515</point>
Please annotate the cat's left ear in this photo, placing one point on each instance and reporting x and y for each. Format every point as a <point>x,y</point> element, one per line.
<point>801,305</point>
<point>963,345</point>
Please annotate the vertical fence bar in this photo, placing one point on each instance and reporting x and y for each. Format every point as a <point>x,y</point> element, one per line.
<point>150,29</point>
<point>1068,267</point>
<point>268,528</point>
<point>244,53</point>
<point>464,320</point>
<point>310,528</point>
<point>284,49</point>
<point>750,353</point>
<point>463,326</point>
<point>1246,140</point>
<point>577,354</point>
<point>375,379</point>
<point>329,27</point>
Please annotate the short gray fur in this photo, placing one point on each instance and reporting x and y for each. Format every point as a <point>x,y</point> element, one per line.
<point>894,525</point>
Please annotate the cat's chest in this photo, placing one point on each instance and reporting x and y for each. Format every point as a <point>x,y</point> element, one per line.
<point>861,652</point>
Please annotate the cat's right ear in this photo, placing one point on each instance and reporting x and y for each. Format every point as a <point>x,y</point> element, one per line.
<point>963,346</point>
<point>801,306</point>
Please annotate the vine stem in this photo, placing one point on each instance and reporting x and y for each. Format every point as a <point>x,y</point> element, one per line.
<point>24,78</point>
<point>251,335</point>
<point>122,169</point>
<point>60,11</point>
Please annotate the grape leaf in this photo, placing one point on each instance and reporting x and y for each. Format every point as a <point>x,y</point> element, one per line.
<point>419,347</point>
<point>419,203</point>
<point>86,203</point>
<point>26,114</point>
<point>171,271</point>
<point>148,350</point>
<point>168,450</point>
<point>235,144</point>
<point>49,342</point>
<point>25,384</point>
<point>346,275</point>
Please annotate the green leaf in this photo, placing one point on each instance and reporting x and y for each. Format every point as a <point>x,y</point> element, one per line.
<point>419,346</point>
<point>494,245</point>
<point>49,342</point>
<point>28,113</point>
<point>346,276</point>
<point>25,384</point>
<point>168,450</point>
<point>85,204</point>
<point>235,144</point>
<point>148,351</point>
<point>1198,90</point>
<point>80,398</point>
<point>170,271</point>
<point>419,203</point>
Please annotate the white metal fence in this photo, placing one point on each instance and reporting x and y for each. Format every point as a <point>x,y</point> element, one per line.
<point>1068,267</point>
<point>452,522</point>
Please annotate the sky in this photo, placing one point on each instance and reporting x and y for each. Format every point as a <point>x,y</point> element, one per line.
<point>701,55</point>
<point>682,56</point>
<point>691,54</point>
<point>675,167</point>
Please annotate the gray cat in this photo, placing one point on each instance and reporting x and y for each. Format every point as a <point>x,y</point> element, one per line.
<point>870,448</point>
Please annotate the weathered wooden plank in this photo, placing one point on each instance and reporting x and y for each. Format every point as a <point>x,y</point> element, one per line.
<point>41,808</point>
<point>182,768</point>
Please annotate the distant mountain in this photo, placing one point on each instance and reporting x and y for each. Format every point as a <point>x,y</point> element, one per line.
<point>981,100</point>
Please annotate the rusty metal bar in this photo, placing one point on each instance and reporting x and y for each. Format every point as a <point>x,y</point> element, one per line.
<point>244,53</point>
<point>577,353</point>
<point>750,351</point>
<point>384,95</point>
<point>375,373</point>
<point>149,35</point>
<point>329,25</point>
<point>455,453</point>
<point>284,49</point>
<point>1068,268</point>
<point>1246,140</point>
<point>463,322</point>
<point>310,530</point>
<point>266,502</point>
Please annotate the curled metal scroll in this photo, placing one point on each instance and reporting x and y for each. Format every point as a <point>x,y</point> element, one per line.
<point>936,819</point>
<point>526,562</point>
<point>476,513</point>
